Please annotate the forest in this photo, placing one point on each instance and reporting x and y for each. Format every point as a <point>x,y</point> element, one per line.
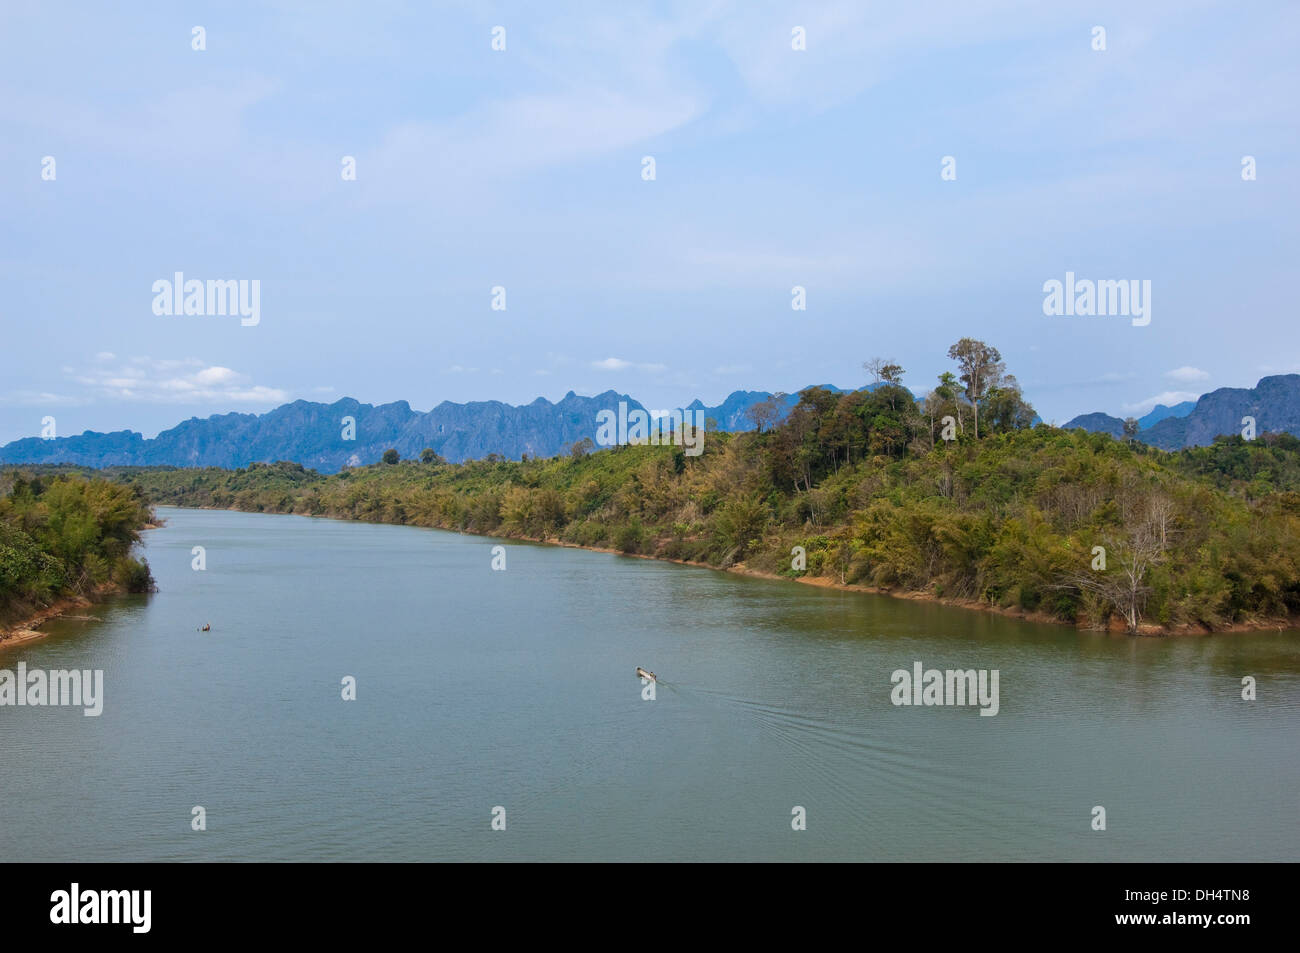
<point>962,496</point>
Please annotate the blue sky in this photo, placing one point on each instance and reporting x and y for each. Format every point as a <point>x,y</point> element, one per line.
<point>522,168</point>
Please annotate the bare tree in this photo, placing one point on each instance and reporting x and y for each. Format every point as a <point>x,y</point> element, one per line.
<point>765,412</point>
<point>842,557</point>
<point>1162,512</point>
<point>884,369</point>
<point>1129,557</point>
<point>945,479</point>
<point>931,405</point>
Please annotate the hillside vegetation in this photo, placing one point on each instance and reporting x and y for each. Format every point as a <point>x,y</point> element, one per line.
<point>862,488</point>
<point>64,535</point>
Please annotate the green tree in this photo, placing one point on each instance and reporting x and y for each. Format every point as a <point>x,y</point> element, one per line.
<point>886,371</point>
<point>391,456</point>
<point>947,391</point>
<point>1005,408</point>
<point>981,368</point>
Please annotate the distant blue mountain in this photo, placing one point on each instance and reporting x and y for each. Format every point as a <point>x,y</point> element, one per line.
<point>730,414</point>
<point>1104,423</point>
<point>1097,423</point>
<point>1160,412</point>
<point>313,433</point>
<point>1273,403</point>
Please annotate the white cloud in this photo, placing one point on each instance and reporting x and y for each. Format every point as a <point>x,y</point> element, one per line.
<point>188,125</point>
<point>756,261</point>
<point>215,375</point>
<point>618,364</point>
<point>517,135</point>
<point>596,85</point>
<point>854,46</point>
<point>1168,398</point>
<point>1187,374</point>
<point>32,398</point>
<point>166,381</point>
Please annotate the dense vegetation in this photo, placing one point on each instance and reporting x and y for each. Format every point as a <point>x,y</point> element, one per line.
<point>868,486</point>
<point>63,535</point>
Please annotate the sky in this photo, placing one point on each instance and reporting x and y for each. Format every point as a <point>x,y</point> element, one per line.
<point>523,169</point>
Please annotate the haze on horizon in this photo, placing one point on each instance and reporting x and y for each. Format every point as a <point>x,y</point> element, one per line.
<point>522,168</point>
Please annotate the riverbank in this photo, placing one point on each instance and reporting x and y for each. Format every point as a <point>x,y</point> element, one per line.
<point>66,542</point>
<point>1114,626</point>
<point>25,630</point>
<point>1038,524</point>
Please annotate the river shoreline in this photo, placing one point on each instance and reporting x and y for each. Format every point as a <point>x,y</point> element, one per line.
<point>1145,630</point>
<point>26,631</point>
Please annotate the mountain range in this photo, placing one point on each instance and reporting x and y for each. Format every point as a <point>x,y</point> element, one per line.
<point>314,434</point>
<point>1274,403</point>
<point>317,435</point>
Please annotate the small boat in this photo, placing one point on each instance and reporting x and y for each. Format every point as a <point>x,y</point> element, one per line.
<point>207,627</point>
<point>644,674</point>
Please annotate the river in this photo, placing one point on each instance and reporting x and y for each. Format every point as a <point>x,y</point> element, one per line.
<point>479,689</point>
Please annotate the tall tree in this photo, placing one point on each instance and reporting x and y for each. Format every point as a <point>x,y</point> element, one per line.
<point>947,391</point>
<point>892,375</point>
<point>1005,408</point>
<point>981,368</point>
<point>884,369</point>
<point>765,412</point>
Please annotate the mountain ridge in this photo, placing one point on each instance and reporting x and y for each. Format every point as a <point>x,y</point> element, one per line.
<point>314,434</point>
<point>1274,403</point>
